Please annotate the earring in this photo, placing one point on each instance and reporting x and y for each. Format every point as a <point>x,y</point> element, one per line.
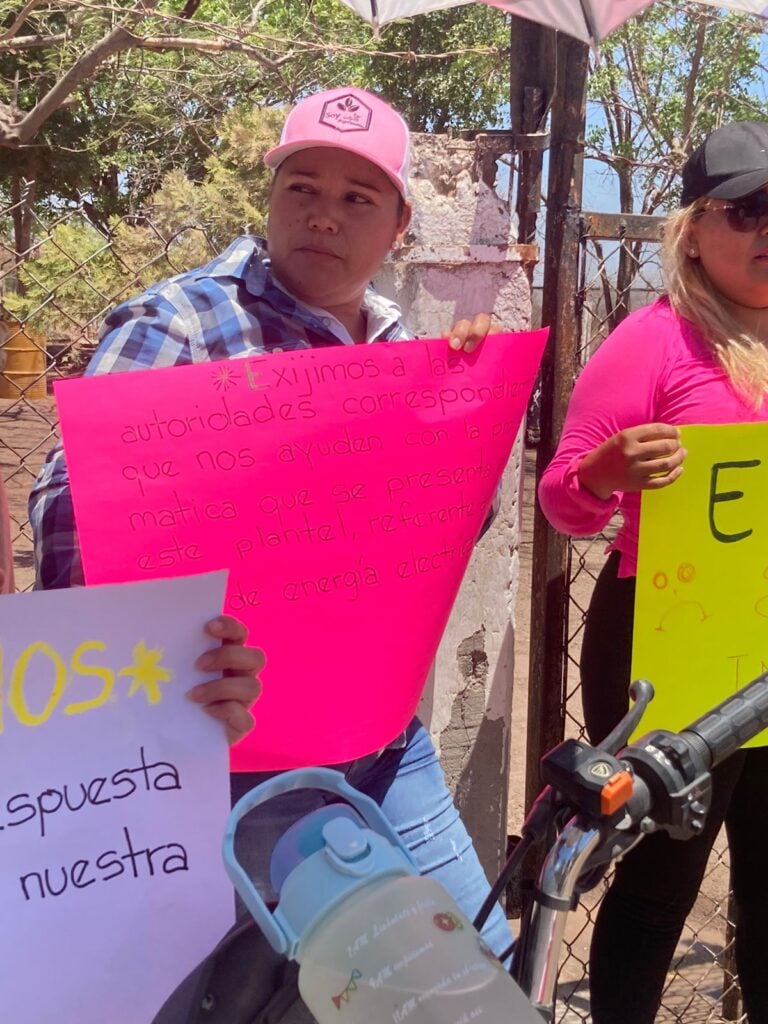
<point>692,253</point>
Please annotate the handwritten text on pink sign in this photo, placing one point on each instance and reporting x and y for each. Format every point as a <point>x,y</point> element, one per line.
<point>344,488</point>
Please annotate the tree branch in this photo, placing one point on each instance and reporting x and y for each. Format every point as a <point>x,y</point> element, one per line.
<point>31,42</point>
<point>21,17</point>
<point>690,89</point>
<point>190,9</point>
<point>120,38</point>
<point>165,43</point>
<point>18,129</point>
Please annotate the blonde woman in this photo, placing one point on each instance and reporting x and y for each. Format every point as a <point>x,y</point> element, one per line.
<point>698,355</point>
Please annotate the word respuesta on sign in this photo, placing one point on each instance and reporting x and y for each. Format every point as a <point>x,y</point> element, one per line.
<point>114,792</point>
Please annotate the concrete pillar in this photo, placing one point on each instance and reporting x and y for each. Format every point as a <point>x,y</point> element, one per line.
<point>460,258</point>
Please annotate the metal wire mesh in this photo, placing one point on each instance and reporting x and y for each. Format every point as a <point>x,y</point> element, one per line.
<point>53,298</point>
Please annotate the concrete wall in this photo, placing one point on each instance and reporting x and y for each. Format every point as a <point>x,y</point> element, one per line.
<point>461,257</point>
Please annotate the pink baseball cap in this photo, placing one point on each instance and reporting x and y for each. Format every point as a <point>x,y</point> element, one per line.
<point>350,119</point>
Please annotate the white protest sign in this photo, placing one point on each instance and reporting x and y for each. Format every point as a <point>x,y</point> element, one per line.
<point>114,794</point>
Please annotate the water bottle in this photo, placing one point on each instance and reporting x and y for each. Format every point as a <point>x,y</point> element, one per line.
<point>376,943</point>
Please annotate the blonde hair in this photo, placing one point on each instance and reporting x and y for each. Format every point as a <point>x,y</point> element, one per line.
<point>743,357</point>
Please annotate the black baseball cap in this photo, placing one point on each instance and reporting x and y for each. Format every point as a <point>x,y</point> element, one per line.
<point>730,163</point>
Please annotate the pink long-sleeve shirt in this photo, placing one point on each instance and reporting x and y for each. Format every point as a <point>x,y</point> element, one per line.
<point>654,368</point>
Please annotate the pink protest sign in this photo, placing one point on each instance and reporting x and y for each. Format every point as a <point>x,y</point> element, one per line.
<point>343,488</point>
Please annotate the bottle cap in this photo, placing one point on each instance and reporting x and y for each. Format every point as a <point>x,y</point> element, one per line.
<point>350,858</point>
<point>385,852</point>
<point>304,838</point>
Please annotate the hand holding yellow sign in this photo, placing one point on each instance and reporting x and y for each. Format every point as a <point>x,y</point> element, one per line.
<point>701,610</point>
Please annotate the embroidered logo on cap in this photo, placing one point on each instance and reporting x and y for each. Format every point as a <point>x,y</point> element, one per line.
<point>346,114</point>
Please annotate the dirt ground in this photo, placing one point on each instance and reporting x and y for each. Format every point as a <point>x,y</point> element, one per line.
<point>694,985</point>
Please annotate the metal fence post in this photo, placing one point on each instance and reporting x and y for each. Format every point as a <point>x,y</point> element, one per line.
<point>549,598</point>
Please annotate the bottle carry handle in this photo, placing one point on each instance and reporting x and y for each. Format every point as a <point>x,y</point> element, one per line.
<point>325,779</point>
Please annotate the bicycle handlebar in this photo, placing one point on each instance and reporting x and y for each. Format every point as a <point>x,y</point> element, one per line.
<point>672,784</point>
<point>721,731</point>
<point>669,780</point>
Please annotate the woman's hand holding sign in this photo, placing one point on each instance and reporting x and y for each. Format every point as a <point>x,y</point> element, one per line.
<point>230,697</point>
<point>642,458</point>
<point>466,335</point>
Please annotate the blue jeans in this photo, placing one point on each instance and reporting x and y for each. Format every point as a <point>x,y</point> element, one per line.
<point>244,980</point>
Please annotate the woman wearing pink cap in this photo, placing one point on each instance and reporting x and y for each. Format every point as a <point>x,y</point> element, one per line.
<point>338,205</point>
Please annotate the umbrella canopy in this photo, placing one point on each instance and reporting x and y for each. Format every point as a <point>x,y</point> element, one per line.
<point>590,20</point>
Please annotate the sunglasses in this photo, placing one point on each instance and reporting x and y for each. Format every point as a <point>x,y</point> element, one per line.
<point>744,215</point>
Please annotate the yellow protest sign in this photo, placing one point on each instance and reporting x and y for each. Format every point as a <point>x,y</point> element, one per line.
<point>701,611</point>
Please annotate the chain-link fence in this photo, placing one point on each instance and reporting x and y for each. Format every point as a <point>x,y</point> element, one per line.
<point>620,271</point>
<point>53,298</point>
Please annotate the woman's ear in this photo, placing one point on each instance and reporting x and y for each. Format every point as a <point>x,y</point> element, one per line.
<point>403,221</point>
<point>691,245</point>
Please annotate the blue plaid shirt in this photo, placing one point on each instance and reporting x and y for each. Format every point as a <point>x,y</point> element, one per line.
<point>231,307</point>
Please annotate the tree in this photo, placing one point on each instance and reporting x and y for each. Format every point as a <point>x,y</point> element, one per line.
<point>658,85</point>
<point>76,273</point>
<point>272,52</point>
<point>100,101</point>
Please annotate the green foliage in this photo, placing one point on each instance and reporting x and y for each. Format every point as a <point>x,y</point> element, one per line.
<point>66,280</point>
<point>465,90</point>
<point>145,113</point>
<point>77,272</point>
<point>660,84</point>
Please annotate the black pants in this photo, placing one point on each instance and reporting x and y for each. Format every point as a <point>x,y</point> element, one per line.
<point>656,884</point>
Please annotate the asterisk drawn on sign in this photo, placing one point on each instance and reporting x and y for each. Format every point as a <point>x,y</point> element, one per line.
<point>224,378</point>
<point>147,672</point>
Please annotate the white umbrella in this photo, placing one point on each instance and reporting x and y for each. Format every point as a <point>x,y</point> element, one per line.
<point>590,20</point>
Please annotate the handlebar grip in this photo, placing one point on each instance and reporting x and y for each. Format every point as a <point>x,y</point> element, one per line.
<point>735,720</point>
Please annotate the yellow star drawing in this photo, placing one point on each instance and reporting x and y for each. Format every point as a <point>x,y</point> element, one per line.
<point>147,672</point>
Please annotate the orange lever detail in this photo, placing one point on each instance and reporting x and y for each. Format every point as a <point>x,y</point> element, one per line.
<point>616,792</point>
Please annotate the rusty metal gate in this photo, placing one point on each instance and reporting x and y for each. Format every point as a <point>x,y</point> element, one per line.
<point>618,271</point>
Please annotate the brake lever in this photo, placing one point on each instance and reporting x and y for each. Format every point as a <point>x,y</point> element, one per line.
<point>642,693</point>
